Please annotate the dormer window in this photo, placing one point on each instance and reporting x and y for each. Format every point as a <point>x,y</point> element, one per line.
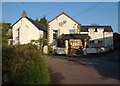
<point>96,30</point>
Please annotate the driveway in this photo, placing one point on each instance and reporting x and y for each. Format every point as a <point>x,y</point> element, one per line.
<point>82,71</point>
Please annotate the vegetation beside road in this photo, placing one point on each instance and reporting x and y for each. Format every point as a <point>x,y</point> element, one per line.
<point>24,64</point>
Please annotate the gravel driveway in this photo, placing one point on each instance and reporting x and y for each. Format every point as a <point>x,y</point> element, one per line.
<point>82,71</point>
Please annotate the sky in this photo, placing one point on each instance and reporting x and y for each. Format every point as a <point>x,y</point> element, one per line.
<point>86,13</point>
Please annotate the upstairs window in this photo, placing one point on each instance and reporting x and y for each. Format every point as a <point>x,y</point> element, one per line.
<point>71,31</point>
<point>96,30</point>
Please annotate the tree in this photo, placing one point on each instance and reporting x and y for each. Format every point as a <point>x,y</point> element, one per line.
<point>5,28</point>
<point>87,40</point>
<point>43,21</point>
<point>37,20</point>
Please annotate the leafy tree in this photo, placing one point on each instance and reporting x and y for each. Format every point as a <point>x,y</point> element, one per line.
<point>37,20</point>
<point>87,40</point>
<point>5,27</point>
<point>43,21</point>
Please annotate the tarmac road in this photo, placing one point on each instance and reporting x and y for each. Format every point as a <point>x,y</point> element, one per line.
<point>82,71</point>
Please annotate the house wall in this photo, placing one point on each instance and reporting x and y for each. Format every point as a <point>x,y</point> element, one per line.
<point>27,31</point>
<point>108,37</point>
<point>83,32</point>
<point>55,25</point>
<point>95,35</point>
<point>105,37</point>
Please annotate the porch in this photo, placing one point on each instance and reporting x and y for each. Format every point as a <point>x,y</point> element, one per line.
<point>74,44</point>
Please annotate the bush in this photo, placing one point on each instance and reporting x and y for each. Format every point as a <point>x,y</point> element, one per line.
<point>24,65</point>
<point>50,49</point>
<point>61,42</point>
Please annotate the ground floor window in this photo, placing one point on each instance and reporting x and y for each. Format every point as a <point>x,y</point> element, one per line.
<point>55,34</point>
<point>91,42</point>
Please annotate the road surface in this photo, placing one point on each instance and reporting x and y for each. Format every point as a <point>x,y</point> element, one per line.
<point>82,71</point>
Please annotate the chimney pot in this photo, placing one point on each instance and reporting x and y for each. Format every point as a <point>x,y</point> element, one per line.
<point>24,14</point>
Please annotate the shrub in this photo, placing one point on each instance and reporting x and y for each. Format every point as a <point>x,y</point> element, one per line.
<point>24,64</point>
<point>61,42</point>
<point>50,49</point>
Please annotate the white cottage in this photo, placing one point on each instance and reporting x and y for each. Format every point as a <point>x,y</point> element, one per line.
<point>26,29</point>
<point>100,36</point>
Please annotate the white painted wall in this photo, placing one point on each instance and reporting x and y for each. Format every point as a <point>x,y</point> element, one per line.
<point>83,32</point>
<point>28,31</point>
<point>106,37</point>
<point>96,35</point>
<point>54,25</point>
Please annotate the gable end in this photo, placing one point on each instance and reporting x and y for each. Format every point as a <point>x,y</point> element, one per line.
<point>66,15</point>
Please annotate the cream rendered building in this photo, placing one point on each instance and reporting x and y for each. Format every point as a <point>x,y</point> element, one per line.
<point>77,34</point>
<point>62,24</point>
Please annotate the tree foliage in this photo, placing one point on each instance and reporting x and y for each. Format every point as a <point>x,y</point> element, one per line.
<point>43,21</point>
<point>5,27</point>
<point>79,28</point>
<point>61,42</point>
<point>39,43</point>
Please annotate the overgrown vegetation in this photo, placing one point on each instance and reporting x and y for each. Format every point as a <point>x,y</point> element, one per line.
<point>24,64</point>
<point>5,27</point>
<point>60,42</point>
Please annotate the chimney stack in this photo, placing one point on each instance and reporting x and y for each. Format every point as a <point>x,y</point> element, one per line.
<point>24,14</point>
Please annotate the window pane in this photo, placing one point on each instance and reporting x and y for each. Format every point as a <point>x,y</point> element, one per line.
<point>92,41</point>
<point>98,41</point>
<point>71,31</point>
<point>55,34</point>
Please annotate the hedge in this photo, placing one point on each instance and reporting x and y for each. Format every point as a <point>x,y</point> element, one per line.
<point>24,64</point>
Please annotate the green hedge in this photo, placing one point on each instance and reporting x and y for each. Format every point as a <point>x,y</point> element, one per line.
<point>24,65</point>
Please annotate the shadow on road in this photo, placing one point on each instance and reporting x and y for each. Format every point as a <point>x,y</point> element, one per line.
<point>56,77</point>
<point>106,69</point>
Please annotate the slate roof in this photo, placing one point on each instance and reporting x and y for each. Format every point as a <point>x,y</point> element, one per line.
<point>66,15</point>
<point>38,25</point>
<point>84,28</point>
<point>116,37</point>
<point>106,28</point>
<point>75,36</point>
